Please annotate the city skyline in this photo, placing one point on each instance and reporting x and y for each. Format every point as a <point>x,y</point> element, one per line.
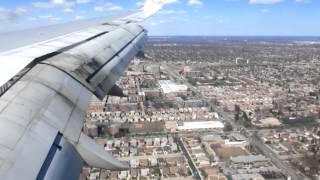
<point>179,17</point>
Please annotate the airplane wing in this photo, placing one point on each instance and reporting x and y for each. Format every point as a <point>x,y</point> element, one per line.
<point>45,91</point>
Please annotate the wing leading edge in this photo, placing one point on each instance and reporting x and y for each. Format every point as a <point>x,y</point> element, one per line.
<point>42,112</point>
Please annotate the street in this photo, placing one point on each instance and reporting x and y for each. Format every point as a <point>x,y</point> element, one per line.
<point>195,170</point>
<point>252,138</point>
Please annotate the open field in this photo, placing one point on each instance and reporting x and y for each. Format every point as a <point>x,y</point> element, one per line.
<point>226,152</point>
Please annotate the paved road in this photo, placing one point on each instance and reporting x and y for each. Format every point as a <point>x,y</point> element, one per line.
<point>153,156</point>
<point>139,90</point>
<point>294,156</point>
<point>253,139</point>
<point>274,158</point>
<point>195,170</point>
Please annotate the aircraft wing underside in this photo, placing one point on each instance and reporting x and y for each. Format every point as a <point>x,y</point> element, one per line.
<point>42,108</point>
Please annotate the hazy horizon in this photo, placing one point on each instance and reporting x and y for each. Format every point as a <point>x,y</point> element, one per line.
<point>179,17</point>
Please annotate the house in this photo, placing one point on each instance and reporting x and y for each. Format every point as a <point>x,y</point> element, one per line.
<point>94,176</point>
<point>174,147</point>
<point>172,161</point>
<point>213,173</point>
<point>104,174</point>
<point>144,172</point>
<point>144,162</point>
<point>156,142</point>
<point>133,151</point>
<point>133,142</point>
<point>183,170</point>
<point>141,142</point>
<point>114,175</point>
<point>173,170</point>
<point>164,141</point>
<point>149,151</point>
<point>203,161</point>
<point>148,141</point>
<point>140,152</point>
<point>134,163</point>
<point>162,162</point>
<point>165,150</point>
<point>125,151</point>
<point>165,171</point>
<point>125,143</point>
<point>123,174</point>
<point>109,145</point>
<point>198,153</point>
<point>153,161</point>
<point>117,143</point>
<point>134,173</point>
<point>181,160</point>
<point>155,172</point>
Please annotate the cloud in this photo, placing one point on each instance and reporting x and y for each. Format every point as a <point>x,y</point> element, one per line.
<point>166,12</point>
<point>52,4</point>
<point>303,1</point>
<point>84,1</point>
<point>181,12</point>
<point>3,14</point>
<point>169,1</point>
<point>32,18</point>
<point>107,7</point>
<point>265,10</point>
<point>170,12</point>
<point>20,10</point>
<point>44,5</point>
<point>12,14</point>
<point>79,17</point>
<point>115,8</point>
<point>157,23</point>
<point>49,17</point>
<point>264,1</point>
<point>195,3</point>
<point>58,1</point>
<point>163,2</point>
<point>45,16</point>
<point>99,8</point>
<point>139,3</point>
<point>68,10</point>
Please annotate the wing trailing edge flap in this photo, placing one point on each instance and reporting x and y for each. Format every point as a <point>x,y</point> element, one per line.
<point>99,63</point>
<point>95,155</point>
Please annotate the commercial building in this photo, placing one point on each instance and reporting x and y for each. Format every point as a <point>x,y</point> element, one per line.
<point>201,125</point>
<point>168,86</point>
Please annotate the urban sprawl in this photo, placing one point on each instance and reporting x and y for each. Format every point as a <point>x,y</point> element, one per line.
<point>214,108</point>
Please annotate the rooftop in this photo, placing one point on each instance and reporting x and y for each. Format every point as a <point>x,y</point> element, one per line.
<point>201,125</point>
<point>169,86</point>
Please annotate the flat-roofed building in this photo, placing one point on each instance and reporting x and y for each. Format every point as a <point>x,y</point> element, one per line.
<point>249,159</point>
<point>247,176</point>
<point>201,125</point>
